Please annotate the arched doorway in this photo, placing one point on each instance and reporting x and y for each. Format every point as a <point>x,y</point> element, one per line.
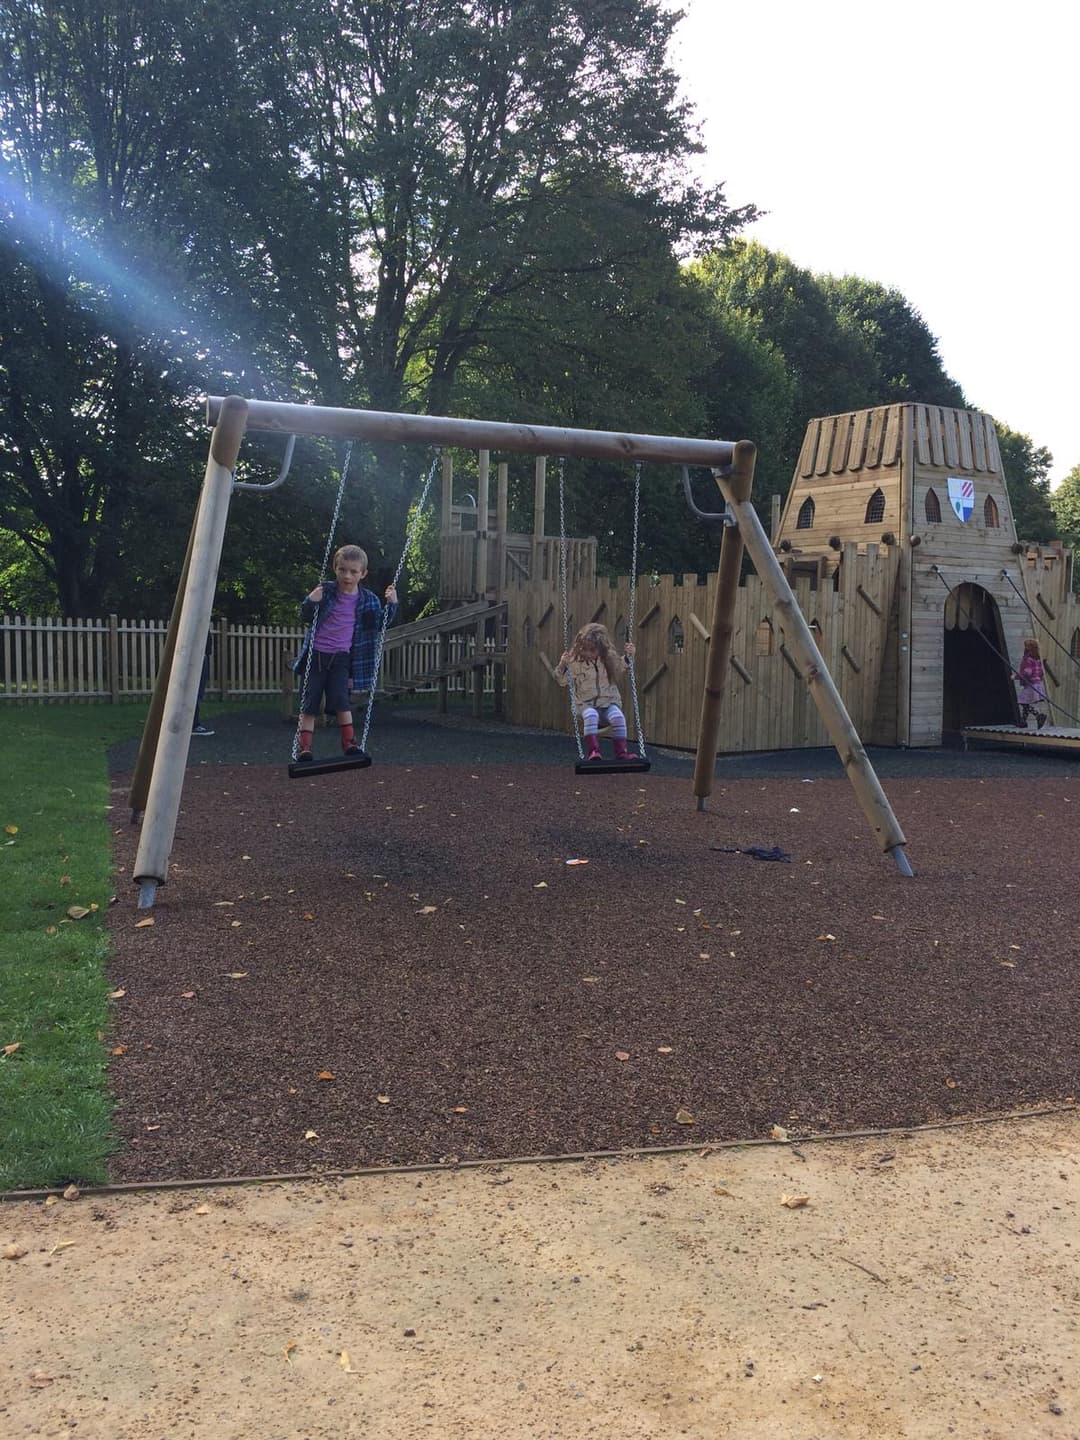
<point>977,688</point>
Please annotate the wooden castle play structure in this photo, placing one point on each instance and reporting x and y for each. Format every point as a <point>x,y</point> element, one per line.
<point>890,602</point>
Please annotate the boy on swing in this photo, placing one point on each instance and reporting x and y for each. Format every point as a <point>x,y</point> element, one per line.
<point>345,620</point>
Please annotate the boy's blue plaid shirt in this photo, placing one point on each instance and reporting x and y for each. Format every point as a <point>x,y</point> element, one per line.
<point>365,643</point>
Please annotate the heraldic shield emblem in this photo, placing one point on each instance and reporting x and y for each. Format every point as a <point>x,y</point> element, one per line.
<point>962,497</point>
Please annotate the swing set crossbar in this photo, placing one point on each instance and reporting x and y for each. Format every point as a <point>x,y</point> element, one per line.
<point>429,430</point>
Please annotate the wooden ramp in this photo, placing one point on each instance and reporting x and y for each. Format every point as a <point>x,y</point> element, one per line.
<point>1057,738</point>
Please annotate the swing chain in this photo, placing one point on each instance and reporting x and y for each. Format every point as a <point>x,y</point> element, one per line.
<point>381,643</point>
<point>322,576</point>
<point>630,615</point>
<point>566,606</point>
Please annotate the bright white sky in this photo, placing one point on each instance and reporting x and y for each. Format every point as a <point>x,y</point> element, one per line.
<point>927,146</point>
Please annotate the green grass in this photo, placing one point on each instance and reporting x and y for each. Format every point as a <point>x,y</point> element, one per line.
<point>55,1108</point>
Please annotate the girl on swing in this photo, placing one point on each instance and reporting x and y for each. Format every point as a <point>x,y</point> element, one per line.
<point>593,667</point>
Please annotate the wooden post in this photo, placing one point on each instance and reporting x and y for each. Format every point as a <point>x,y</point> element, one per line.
<point>224,670</point>
<point>443,643</point>
<point>539,497</point>
<point>174,739</point>
<point>822,687</point>
<point>502,510</point>
<point>722,630</point>
<point>482,524</point>
<point>774,519</point>
<point>478,671</point>
<point>144,761</point>
<point>114,659</point>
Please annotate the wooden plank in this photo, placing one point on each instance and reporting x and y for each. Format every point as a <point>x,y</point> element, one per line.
<point>963,430</point>
<point>952,443</point>
<point>808,454</point>
<point>875,439</point>
<point>841,443</point>
<point>922,435</point>
<point>857,448</point>
<point>890,454</point>
<point>824,454</point>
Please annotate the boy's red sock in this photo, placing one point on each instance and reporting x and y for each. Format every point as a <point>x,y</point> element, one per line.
<point>305,741</point>
<point>348,736</point>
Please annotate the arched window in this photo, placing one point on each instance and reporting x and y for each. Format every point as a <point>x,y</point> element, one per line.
<point>676,637</point>
<point>620,633</point>
<point>806,514</point>
<point>990,514</point>
<point>764,639</point>
<point>875,508</point>
<point>933,507</point>
<point>816,631</point>
<point>1074,648</point>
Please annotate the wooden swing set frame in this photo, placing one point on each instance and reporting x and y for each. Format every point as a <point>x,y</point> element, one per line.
<point>157,783</point>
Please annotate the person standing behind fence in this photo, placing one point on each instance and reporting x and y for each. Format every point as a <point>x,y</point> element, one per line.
<point>345,621</point>
<point>197,726</point>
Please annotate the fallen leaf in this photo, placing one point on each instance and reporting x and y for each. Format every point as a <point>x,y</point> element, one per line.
<point>78,912</point>
<point>236,974</point>
<point>346,1363</point>
<point>10,1049</point>
<point>794,1202</point>
<point>142,924</point>
<point>223,902</point>
<point>288,1349</point>
<point>427,910</point>
<point>590,979</point>
<point>11,829</point>
<point>38,1380</point>
<point>325,1075</point>
<point>117,994</point>
<point>245,857</point>
<point>542,885</point>
<point>72,1192</point>
<point>703,955</point>
<point>461,1109</point>
<point>622,1055</point>
<point>151,1127</point>
<point>951,1084</point>
<point>50,930</point>
<point>778,1133</point>
<point>62,1245</point>
<point>719,1190</point>
<point>680,902</point>
<point>235,924</point>
<point>52,1199</point>
<point>187,994</point>
<point>311,1134</point>
<point>202,1209</point>
<point>826,936</point>
<point>383,1099</point>
<point>664,1049</point>
<point>683,1117</point>
<point>13,1252</point>
<point>577,862</point>
<point>118,1050</point>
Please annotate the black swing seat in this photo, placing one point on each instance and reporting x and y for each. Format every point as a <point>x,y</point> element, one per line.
<point>300,769</point>
<point>612,767</point>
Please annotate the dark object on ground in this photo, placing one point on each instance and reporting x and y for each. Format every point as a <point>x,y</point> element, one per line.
<point>757,851</point>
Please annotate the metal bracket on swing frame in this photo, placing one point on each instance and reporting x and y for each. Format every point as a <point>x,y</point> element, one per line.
<point>707,517</point>
<point>290,446</point>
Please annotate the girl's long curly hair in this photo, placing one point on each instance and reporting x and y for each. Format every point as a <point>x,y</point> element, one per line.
<point>597,635</point>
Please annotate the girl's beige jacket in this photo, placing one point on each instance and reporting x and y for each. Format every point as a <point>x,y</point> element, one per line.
<point>591,683</point>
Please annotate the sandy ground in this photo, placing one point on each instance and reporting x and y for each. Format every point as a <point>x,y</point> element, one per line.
<point>928,1288</point>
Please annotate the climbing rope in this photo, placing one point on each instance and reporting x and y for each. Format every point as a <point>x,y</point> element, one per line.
<point>1023,600</point>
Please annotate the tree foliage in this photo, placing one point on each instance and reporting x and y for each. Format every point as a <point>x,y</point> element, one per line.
<point>1027,479</point>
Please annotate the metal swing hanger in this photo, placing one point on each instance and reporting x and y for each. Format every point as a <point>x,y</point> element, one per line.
<point>707,517</point>
<point>290,446</point>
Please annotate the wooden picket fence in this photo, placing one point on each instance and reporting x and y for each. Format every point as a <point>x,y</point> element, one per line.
<point>109,660</point>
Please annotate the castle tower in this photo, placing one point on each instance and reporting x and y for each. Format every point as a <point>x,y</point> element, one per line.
<point>926,482</point>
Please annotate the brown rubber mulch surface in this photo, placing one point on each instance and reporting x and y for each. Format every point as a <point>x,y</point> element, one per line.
<point>417,934</point>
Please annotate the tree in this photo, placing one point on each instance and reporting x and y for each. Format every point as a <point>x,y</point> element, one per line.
<point>1027,479</point>
<point>1065,503</point>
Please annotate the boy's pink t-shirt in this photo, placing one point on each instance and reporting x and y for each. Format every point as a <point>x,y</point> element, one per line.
<point>336,631</point>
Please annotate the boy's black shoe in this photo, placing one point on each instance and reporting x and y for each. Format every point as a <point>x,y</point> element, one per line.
<point>304,755</point>
<point>1040,721</point>
<point>352,749</point>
